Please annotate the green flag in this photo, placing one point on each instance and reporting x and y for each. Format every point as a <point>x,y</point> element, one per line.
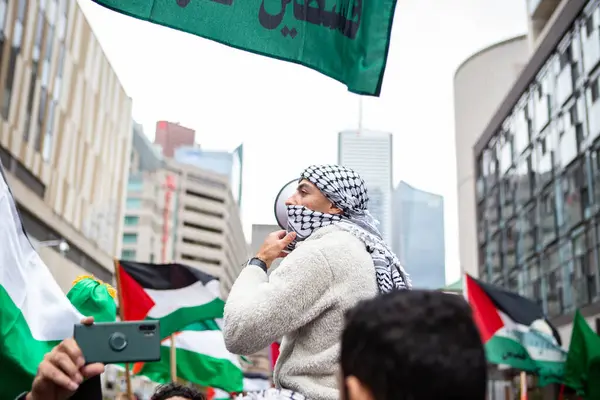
<point>346,40</point>
<point>201,357</point>
<point>582,368</point>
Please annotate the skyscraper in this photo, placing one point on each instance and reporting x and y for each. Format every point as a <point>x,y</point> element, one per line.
<point>225,163</point>
<point>418,235</point>
<point>170,136</point>
<point>370,154</point>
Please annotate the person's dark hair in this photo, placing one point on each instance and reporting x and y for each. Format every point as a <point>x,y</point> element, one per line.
<point>417,345</point>
<point>171,390</point>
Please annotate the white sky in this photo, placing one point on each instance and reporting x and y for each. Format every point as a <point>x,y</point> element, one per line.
<point>288,116</point>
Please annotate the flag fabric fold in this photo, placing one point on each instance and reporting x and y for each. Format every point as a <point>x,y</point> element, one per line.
<point>174,294</point>
<point>515,331</point>
<point>202,358</point>
<point>35,314</point>
<point>347,40</point>
<point>31,303</point>
<point>582,368</point>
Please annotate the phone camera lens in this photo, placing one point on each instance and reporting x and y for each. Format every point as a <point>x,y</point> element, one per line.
<point>117,341</point>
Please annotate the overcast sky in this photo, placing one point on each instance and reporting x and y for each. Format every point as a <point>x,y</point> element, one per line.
<point>288,116</point>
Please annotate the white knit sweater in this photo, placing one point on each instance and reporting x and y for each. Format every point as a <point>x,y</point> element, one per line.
<point>304,300</point>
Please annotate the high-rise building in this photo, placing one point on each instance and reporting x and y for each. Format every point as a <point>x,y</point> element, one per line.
<point>370,154</point>
<point>170,136</point>
<point>537,182</point>
<point>177,212</point>
<point>221,162</point>
<point>65,135</point>
<point>418,235</point>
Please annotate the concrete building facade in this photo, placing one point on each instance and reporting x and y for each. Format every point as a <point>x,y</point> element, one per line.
<point>480,84</point>
<point>177,212</point>
<point>370,154</point>
<point>65,134</point>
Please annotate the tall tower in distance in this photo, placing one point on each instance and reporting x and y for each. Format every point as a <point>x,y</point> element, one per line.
<point>170,136</point>
<point>370,154</point>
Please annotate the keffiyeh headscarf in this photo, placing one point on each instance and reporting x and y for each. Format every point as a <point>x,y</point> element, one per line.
<point>347,191</point>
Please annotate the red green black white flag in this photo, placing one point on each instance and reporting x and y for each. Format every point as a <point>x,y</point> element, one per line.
<point>174,294</point>
<point>515,331</point>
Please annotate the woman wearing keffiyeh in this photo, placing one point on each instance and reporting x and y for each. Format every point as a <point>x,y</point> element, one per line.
<point>336,258</point>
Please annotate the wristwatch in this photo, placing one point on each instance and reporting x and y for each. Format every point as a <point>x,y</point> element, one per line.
<point>258,262</point>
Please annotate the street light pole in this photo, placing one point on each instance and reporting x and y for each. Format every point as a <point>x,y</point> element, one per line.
<point>63,246</point>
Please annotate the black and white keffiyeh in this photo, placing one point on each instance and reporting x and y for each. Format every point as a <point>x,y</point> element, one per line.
<point>347,191</point>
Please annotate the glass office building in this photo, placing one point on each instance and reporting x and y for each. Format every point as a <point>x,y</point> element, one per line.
<point>538,172</point>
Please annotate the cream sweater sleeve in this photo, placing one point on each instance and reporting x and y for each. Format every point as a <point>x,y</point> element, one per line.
<point>261,309</point>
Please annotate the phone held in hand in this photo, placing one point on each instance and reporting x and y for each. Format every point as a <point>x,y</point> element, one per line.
<point>119,342</point>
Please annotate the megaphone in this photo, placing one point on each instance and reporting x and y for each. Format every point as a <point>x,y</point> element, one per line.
<point>280,208</point>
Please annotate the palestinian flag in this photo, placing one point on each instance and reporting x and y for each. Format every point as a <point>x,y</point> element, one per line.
<point>174,294</point>
<point>35,314</point>
<point>515,331</point>
<point>201,358</point>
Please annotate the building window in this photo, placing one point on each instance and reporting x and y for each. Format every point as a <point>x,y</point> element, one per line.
<point>133,203</point>
<point>129,238</point>
<point>40,119</point>
<point>14,53</point>
<point>574,188</point>
<point>525,182</point>
<point>507,194</point>
<point>582,274</point>
<point>547,216</point>
<point>526,231</point>
<point>135,185</point>
<point>553,275</point>
<point>568,69</point>
<point>131,220</point>
<point>128,255</point>
<point>593,103</point>
<point>35,61</point>
<point>545,158</point>
<point>48,138</point>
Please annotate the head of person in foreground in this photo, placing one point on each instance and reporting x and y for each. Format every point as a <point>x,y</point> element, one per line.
<point>412,345</point>
<point>175,391</point>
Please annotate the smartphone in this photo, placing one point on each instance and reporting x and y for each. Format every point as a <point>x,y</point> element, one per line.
<point>119,342</point>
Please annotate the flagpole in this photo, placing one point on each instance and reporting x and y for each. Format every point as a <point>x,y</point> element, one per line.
<point>173,360</point>
<point>122,316</point>
<point>523,385</point>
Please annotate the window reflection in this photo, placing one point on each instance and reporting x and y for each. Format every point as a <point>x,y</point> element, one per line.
<point>495,258</point>
<point>538,181</point>
<point>547,216</point>
<point>508,189</point>
<point>15,49</point>
<point>509,246</point>
<point>526,228</point>
<point>550,265</point>
<point>525,182</point>
<point>544,152</point>
<point>574,189</point>
<point>492,211</point>
<point>35,61</point>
